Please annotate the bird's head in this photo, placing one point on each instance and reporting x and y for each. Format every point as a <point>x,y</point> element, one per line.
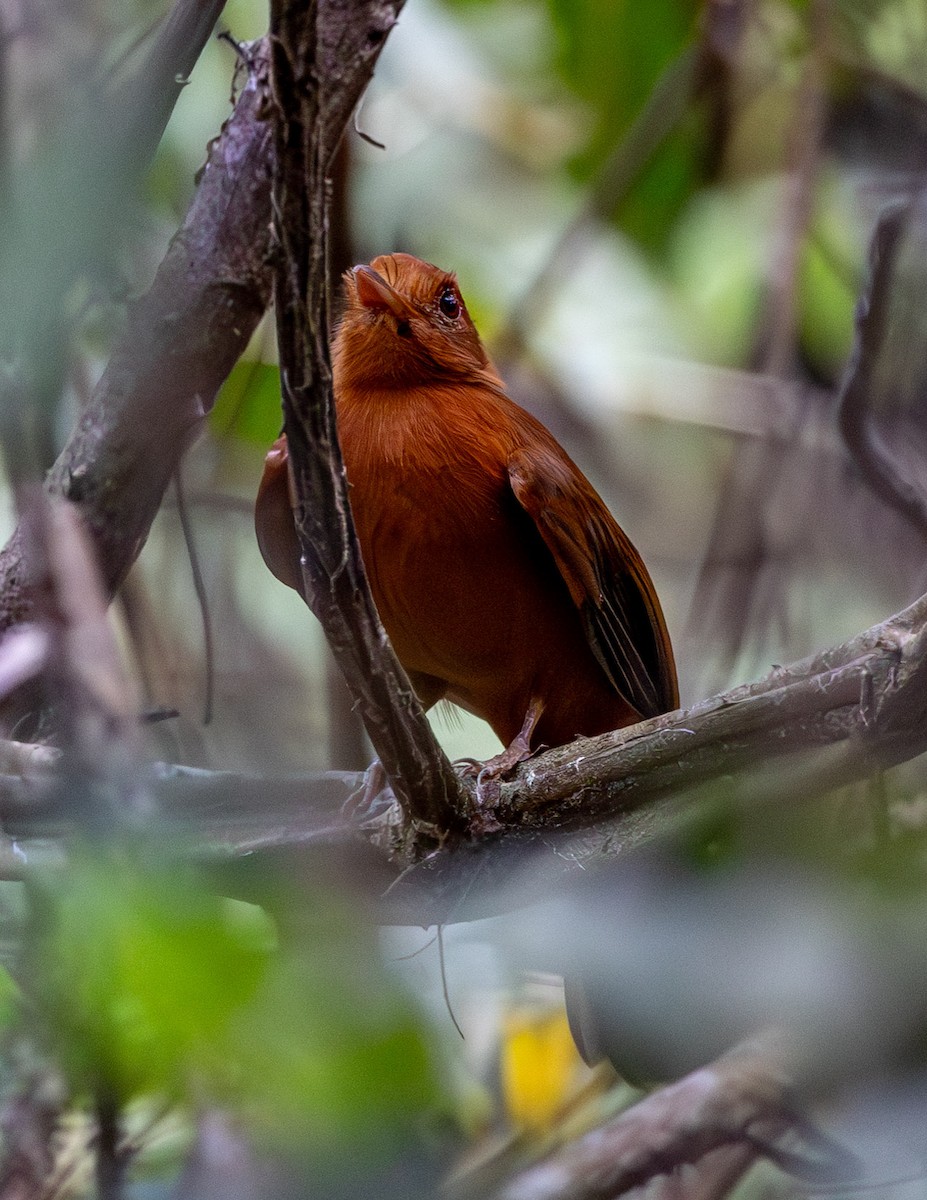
<point>404,324</point>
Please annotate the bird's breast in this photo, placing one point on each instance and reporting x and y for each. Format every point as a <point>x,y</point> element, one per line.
<point>453,564</point>
<point>468,591</point>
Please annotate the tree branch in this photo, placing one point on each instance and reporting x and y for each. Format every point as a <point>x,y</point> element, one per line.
<point>180,342</point>
<point>814,725</point>
<point>715,1176</point>
<point>148,96</point>
<point>335,45</point>
<point>66,209</point>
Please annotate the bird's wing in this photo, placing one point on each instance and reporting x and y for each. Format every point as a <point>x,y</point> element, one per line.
<point>273,517</point>
<point>606,577</point>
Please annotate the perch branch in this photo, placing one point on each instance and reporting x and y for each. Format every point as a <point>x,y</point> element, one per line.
<point>804,729</point>
<point>336,45</point>
<point>814,725</point>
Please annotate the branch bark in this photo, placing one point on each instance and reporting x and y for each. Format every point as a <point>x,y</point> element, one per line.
<point>335,45</point>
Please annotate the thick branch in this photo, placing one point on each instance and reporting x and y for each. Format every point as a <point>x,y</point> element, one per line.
<point>181,340</point>
<point>827,721</point>
<point>336,45</point>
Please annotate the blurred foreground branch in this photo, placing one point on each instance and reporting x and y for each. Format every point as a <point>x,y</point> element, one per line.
<point>741,1103</point>
<point>181,340</point>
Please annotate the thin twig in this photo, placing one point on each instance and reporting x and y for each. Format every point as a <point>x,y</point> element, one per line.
<point>855,411</point>
<point>202,598</point>
<point>444,990</point>
<point>806,131</point>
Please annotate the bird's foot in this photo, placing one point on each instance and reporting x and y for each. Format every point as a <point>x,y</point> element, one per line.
<point>496,768</point>
<point>493,768</point>
<point>469,768</point>
<point>489,773</point>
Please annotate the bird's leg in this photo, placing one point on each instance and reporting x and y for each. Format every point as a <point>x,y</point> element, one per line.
<point>517,751</point>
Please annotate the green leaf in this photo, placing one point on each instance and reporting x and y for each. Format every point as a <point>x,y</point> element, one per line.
<point>330,1051</point>
<point>664,187</point>
<point>151,983</point>
<point>139,973</point>
<point>248,404</point>
<point>611,54</point>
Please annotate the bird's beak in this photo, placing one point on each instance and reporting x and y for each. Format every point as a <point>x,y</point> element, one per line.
<point>374,292</point>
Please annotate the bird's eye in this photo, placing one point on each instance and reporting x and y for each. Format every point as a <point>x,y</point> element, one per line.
<point>449,303</point>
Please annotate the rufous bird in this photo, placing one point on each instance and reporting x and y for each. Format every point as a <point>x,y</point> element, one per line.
<point>503,581</point>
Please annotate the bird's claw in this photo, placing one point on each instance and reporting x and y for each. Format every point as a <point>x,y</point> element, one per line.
<point>488,774</point>
<point>468,768</point>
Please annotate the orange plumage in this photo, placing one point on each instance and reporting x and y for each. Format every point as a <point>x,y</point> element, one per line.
<point>504,583</point>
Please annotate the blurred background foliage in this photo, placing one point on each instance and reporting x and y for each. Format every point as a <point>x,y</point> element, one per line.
<point>658,213</point>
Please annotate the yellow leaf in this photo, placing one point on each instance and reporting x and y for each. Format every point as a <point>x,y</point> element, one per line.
<point>539,1066</point>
